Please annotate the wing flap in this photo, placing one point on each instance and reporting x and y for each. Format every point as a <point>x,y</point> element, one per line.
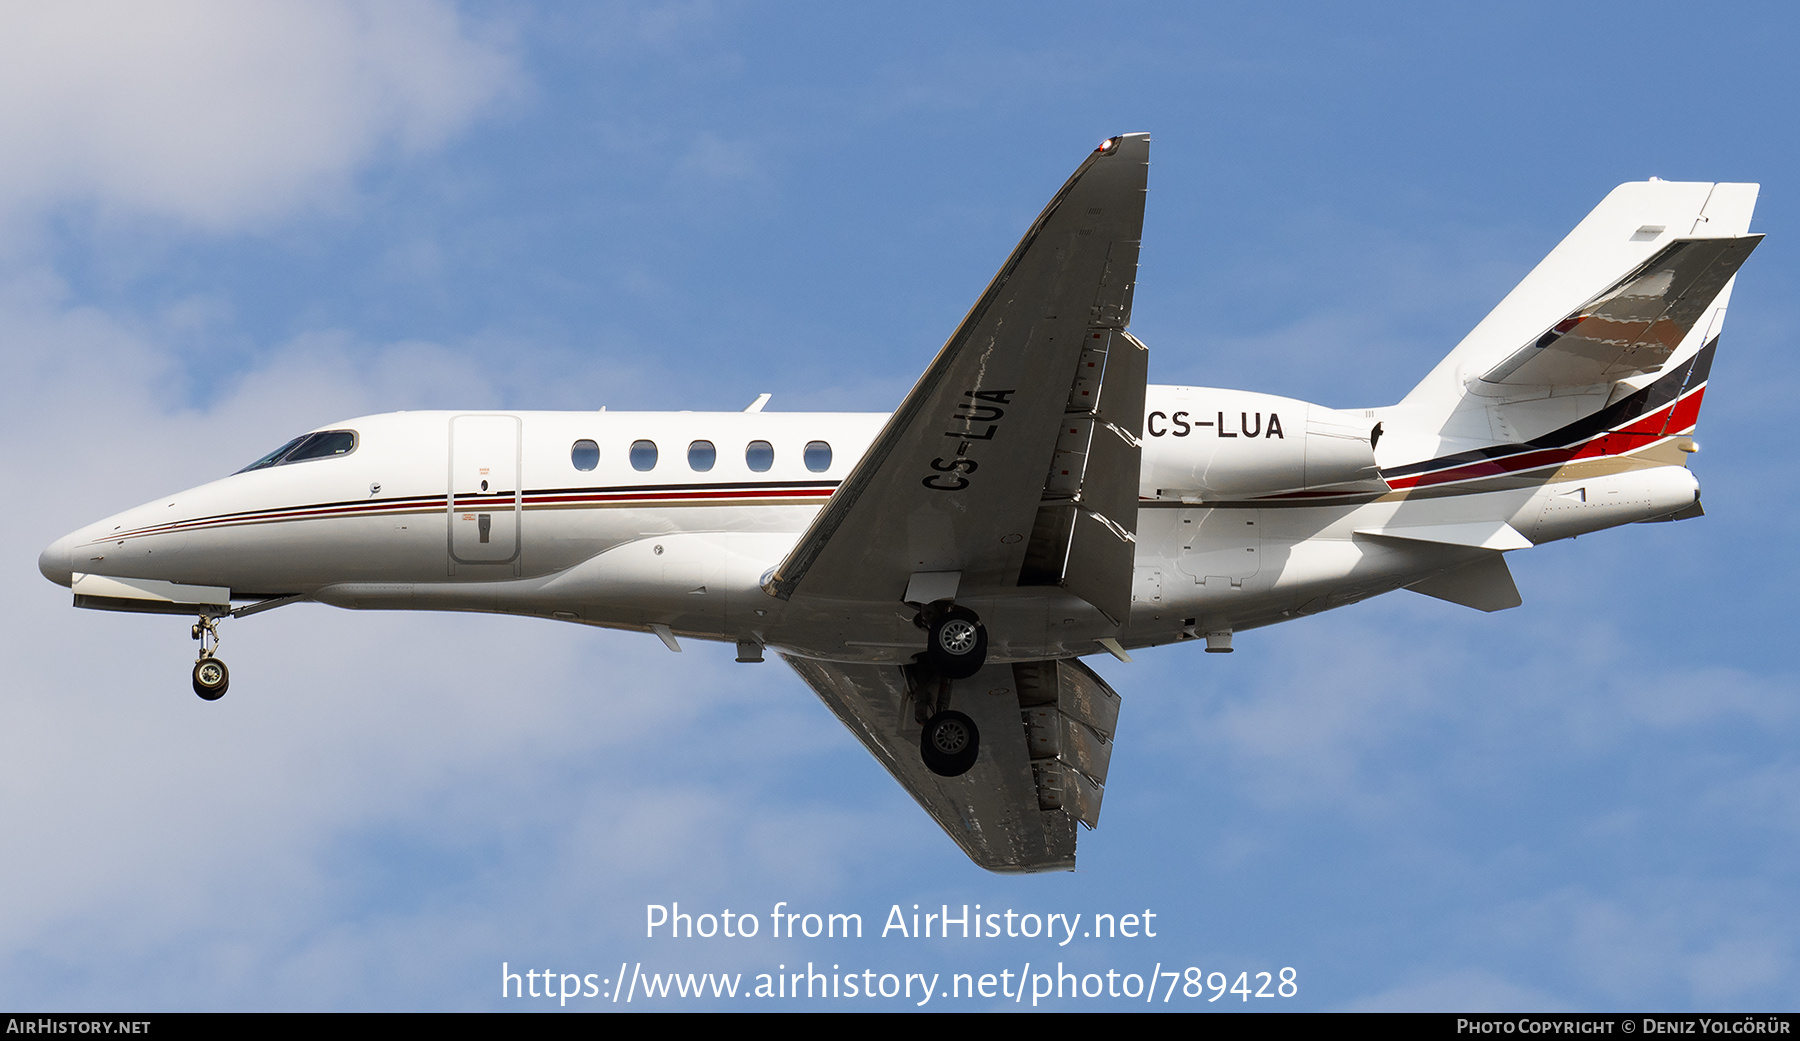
<point>1070,716</point>
<point>1085,553</point>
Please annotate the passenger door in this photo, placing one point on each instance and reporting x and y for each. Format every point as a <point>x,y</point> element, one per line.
<point>485,499</point>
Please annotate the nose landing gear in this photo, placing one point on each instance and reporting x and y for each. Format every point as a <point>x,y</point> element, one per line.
<point>211,678</point>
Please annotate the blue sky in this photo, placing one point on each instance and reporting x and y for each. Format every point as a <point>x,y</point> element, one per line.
<point>222,225</point>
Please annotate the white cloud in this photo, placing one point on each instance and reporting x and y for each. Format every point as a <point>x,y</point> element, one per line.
<point>221,113</point>
<point>381,796</point>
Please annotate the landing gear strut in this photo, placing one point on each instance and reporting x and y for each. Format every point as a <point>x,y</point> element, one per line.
<point>955,649</point>
<point>949,741</point>
<point>211,678</point>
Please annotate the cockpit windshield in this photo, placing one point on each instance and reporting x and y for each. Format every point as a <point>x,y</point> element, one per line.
<point>322,445</point>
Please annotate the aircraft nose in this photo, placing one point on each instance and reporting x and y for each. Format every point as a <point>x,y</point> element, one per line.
<point>54,561</point>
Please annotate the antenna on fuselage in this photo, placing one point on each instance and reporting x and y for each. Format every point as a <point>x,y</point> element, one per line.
<point>757,405</point>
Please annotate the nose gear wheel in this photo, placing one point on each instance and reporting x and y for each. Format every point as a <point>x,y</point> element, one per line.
<point>211,677</point>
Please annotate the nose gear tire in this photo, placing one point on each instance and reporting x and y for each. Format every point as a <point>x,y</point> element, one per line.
<point>211,678</point>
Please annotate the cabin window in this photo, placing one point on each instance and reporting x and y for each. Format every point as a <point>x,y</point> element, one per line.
<point>759,455</point>
<point>818,456</point>
<point>702,455</point>
<point>324,444</point>
<point>643,455</point>
<point>585,455</point>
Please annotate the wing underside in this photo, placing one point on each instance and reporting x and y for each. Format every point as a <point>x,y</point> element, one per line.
<point>1046,742</point>
<point>1014,459</point>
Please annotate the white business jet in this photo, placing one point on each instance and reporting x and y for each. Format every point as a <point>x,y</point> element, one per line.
<point>937,575</point>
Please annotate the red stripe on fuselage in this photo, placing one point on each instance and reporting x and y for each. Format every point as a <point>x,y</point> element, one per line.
<point>1687,412</point>
<point>1675,418</point>
<point>436,504</point>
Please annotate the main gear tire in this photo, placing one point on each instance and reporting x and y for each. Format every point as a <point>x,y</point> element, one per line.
<point>949,744</point>
<point>957,646</point>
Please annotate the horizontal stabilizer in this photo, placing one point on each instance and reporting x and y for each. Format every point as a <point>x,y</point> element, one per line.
<point>1633,326</point>
<point>1485,585</point>
<point>1633,288</point>
<point>1497,535</point>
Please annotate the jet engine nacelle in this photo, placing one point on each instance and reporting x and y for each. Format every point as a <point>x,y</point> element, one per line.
<point>1215,445</point>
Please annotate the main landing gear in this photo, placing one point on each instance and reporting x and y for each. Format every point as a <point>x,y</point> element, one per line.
<point>955,649</point>
<point>211,678</point>
<point>950,744</point>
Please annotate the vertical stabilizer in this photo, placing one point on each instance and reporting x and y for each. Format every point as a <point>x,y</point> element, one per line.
<point>1633,294</point>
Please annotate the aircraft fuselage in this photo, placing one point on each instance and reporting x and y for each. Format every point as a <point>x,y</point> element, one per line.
<point>492,512</point>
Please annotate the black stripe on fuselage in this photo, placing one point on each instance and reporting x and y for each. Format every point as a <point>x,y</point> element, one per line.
<point>1618,414</point>
<point>695,494</point>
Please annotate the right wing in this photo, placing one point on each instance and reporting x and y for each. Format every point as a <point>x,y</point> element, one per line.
<point>1046,741</point>
<point>1014,460</point>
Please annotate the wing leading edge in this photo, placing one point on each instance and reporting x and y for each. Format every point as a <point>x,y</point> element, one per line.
<point>1014,458</point>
